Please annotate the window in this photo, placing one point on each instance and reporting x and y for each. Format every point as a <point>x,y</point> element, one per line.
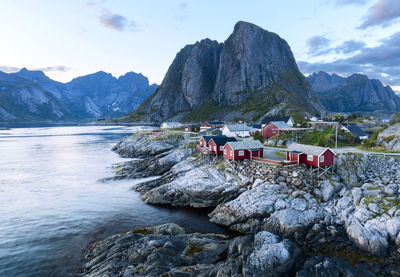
<point>231,153</point>
<point>241,153</point>
<point>310,158</point>
<point>221,148</point>
<point>321,159</point>
<point>215,148</point>
<point>224,151</point>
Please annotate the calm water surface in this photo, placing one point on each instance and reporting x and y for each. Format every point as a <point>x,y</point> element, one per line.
<point>52,203</point>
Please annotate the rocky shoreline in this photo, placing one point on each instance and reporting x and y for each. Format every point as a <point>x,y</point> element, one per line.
<point>291,223</point>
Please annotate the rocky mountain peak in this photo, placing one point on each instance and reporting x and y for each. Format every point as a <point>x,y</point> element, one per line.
<point>355,93</point>
<point>252,68</point>
<point>34,75</point>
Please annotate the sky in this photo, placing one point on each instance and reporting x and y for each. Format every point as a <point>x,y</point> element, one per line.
<point>70,38</point>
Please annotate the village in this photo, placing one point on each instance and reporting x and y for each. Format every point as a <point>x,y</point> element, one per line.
<point>278,140</point>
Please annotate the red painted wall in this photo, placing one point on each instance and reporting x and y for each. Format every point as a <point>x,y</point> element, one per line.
<point>203,142</point>
<point>291,156</point>
<point>218,150</point>
<point>243,157</point>
<point>270,130</point>
<point>329,158</point>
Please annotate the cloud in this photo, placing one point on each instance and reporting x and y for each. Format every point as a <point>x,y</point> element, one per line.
<point>92,3</point>
<point>318,45</point>
<point>59,68</point>
<point>381,62</point>
<point>8,69</point>
<point>117,22</point>
<point>349,46</point>
<point>350,2</point>
<point>383,13</point>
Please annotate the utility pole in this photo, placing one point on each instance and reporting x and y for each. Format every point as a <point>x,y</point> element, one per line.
<point>336,136</point>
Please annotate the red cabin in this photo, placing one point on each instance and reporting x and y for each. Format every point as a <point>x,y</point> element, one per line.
<point>156,133</point>
<point>188,128</point>
<point>205,140</point>
<point>217,144</point>
<point>241,150</point>
<point>315,156</point>
<point>211,124</point>
<point>274,128</point>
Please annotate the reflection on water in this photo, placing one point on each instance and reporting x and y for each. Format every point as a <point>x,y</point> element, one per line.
<point>52,204</point>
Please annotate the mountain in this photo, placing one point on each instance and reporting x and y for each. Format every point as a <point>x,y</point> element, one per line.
<point>23,99</point>
<point>355,93</point>
<point>31,95</point>
<point>251,74</point>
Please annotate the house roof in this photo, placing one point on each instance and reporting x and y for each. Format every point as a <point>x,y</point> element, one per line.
<point>354,129</point>
<point>220,140</point>
<point>307,149</point>
<point>207,138</point>
<point>245,144</point>
<point>213,131</point>
<point>269,119</point>
<point>281,124</point>
<point>255,126</point>
<point>237,127</point>
<point>215,122</point>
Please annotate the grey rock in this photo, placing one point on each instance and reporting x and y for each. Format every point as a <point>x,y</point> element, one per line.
<point>251,63</point>
<point>353,94</point>
<point>392,132</point>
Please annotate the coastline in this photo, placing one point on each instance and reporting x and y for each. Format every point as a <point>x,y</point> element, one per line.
<point>318,224</point>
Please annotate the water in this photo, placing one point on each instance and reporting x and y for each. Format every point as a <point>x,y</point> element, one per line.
<point>52,203</point>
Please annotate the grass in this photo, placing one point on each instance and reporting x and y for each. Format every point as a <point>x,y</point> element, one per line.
<point>279,153</point>
<point>192,249</point>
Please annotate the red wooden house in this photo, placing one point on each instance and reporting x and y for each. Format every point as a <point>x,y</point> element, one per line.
<point>275,128</point>
<point>211,124</point>
<point>241,150</point>
<point>217,144</point>
<point>315,156</point>
<point>205,140</point>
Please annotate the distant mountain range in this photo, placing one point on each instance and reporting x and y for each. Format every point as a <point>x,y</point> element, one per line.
<point>252,74</point>
<point>32,96</point>
<point>355,93</point>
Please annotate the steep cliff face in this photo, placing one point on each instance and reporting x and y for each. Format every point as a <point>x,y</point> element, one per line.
<point>249,75</point>
<point>188,83</point>
<point>355,93</point>
<point>253,59</point>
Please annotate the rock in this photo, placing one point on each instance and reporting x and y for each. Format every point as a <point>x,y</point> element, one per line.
<point>152,165</point>
<point>351,168</point>
<point>143,146</point>
<point>208,73</point>
<point>367,94</point>
<point>320,267</point>
<point>372,239</point>
<point>390,138</point>
<point>198,187</point>
<point>167,250</point>
<point>271,142</point>
<point>271,256</point>
<point>154,251</point>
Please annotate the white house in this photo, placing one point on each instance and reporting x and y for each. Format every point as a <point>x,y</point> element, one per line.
<point>287,119</point>
<point>171,125</point>
<point>356,131</point>
<point>236,130</point>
